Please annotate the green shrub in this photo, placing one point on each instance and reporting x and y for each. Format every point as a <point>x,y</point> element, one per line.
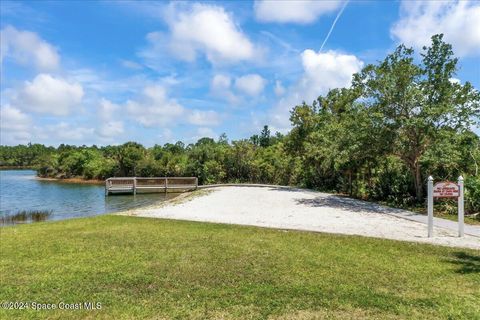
<point>472,194</point>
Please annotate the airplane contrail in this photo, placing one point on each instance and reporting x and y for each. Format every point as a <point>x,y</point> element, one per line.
<point>333,24</point>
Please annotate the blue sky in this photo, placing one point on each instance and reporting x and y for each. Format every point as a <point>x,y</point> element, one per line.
<point>154,72</point>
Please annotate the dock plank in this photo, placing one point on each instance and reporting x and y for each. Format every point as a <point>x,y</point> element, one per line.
<point>159,184</point>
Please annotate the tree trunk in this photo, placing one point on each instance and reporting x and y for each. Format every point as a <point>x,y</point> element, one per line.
<point>369,180</point>
<point>350,190</point>
<point>418,181</point>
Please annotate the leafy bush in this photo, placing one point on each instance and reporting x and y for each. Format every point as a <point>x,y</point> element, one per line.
<point>472,194</point>
<point>99,168</point>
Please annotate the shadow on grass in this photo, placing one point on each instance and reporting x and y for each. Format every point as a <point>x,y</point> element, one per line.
<point>466,262</point>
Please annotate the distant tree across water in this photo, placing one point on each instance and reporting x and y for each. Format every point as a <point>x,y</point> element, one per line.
<point>402,120</point>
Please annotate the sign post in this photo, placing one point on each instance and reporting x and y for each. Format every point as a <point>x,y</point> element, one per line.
<point>445,189</point>
<point>430,206</point>
<point>460,207</point>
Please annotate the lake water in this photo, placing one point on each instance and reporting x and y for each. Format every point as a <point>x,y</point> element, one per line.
<point>19,190</point>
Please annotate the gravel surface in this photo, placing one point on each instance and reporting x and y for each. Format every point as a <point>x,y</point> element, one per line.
<point>289,208</point>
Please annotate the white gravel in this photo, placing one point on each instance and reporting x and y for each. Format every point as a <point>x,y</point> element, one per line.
<point>303,210</point>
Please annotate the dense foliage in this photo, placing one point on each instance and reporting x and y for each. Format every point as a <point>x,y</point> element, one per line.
<point>400,121</point>
<point>30,155</point>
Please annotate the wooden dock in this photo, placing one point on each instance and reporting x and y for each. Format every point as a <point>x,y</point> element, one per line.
<point>148,185</point>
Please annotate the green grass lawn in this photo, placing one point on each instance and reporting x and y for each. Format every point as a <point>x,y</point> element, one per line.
<point>149,268</point>
<point>447,210</point>
<point>467,220</point>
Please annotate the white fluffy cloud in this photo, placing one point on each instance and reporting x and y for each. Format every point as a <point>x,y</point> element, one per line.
<point>50,95</point>
<point>325,71</point>
<point>204,132</point>
<point>26,48</point>
<point>166,135</point>
<point>298,11</point>
<point>65,132</point>
<point>229,89</point>
<point>14,119</point>
<point>111,129</point>
<point>15,126</point>
<point>202,28</point>
<point>107,109</point>
<point>250,84</point>
<point>459,21</point>
<point>154,107</point>
<point>221,86</point>
<point>204,118</point>
<point>321,72</point>
<point>18,127</point>
<point>221,81</point>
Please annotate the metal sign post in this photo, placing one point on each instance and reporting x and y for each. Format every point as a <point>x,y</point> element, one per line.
<point>430,206</point>
<point>445,189</point>
<point>460,207</point>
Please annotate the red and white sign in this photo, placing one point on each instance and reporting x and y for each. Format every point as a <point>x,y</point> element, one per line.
<point>446,189</point>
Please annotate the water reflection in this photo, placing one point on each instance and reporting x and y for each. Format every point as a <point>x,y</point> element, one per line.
<point>20,190</point>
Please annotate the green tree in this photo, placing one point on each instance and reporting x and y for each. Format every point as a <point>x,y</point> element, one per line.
<point>264,139</point>
<point>128,155</point>
<point>417,101</point>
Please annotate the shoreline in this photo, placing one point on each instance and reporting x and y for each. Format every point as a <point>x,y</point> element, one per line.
<point>71,180</point>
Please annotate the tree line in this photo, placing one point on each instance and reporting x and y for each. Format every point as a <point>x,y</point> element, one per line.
<point>401,120</point>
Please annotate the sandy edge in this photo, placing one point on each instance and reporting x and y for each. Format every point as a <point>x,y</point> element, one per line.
<point>72,180</point>
<point>250,206</point>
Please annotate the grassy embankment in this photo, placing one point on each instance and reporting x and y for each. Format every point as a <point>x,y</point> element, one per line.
<point>76,180</point>
<point>468,219</point>
<point>442,211</point>
<point>148,268</point>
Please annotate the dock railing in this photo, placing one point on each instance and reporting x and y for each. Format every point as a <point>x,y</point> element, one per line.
<point>153,184</point>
